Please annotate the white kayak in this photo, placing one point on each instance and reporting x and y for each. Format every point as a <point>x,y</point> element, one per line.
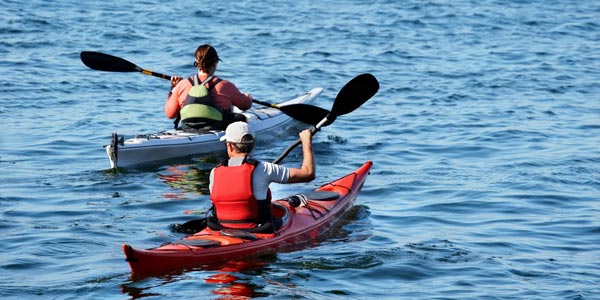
<point>168,144</point>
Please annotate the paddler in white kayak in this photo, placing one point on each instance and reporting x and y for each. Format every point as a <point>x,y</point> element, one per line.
<point>239,187</point>
<point>205,101</point>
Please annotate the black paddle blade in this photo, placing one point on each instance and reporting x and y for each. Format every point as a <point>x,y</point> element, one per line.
<point>305,113</point>
<point>106,62</point>
<point>356,92</point>
<point>189,227</point>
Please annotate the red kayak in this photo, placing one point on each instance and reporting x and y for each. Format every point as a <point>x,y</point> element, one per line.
<point>303,217</point>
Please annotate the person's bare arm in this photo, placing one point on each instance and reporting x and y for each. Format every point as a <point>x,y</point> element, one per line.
<point>307,171</point>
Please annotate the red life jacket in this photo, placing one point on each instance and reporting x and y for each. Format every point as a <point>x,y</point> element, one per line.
<point>235,203</point>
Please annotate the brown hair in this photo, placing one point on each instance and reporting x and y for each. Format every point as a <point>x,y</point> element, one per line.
<point>246,145</point>
<point>206,57</point>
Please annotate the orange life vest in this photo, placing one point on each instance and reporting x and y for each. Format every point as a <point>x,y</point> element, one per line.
<point>235,203</point>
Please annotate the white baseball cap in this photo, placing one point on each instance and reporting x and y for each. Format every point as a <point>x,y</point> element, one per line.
<point>236,131</point>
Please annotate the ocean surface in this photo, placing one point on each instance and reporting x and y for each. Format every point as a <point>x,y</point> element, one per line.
<point>485,138</point>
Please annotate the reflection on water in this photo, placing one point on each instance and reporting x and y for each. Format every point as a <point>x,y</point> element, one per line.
<point>229,285</point>
<point>185,179</point>
<point>188,178</point>
<point>229,280</point>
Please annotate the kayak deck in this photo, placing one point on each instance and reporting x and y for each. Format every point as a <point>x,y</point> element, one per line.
<point>145,148</point>
<point>301,226</point>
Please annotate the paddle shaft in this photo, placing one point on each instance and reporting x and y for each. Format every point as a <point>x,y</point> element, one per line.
<point>148,72</point>
<point>298,142</point>
<point>266,103</point>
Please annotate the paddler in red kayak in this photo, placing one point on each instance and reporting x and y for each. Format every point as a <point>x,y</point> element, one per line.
<point>240,186</point>
<point>204,100</point>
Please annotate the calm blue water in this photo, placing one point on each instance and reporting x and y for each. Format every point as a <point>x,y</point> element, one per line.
<point>485,136</point>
